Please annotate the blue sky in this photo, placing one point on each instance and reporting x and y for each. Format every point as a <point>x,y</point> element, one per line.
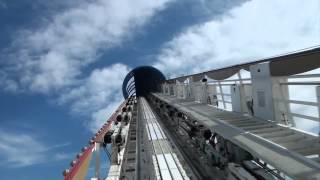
<point>62,63</point>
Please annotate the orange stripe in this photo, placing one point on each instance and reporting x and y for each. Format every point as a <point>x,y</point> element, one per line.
<point>79,170</point>
<point>80,163</point>
<point>82,171</point>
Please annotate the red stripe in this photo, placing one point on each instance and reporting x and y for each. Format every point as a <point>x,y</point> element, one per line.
<point>99,138</point>
<point>78,164</point>
<point>106,128</point>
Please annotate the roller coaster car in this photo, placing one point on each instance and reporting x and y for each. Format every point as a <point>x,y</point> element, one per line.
<point>171,113</point>
<point>180,115</point>
<point>119,118</point>
<point>207,134</point>
<point>107,138</point>
<point>192,131</point>
<point>126,119</point>
<point>118,138</point>
<point>129,108</point>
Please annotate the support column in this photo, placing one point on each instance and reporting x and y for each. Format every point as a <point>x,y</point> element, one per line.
<point>97,165</point>
<point>222,96</point>
<point>238,98</point>
<point>204,92</point>
<point>269,96</point>
<point>318,100</point>
<point>263,105</point>
<point>190,92</point>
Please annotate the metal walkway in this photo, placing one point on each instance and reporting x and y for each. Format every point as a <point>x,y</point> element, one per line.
<point>282,147</point>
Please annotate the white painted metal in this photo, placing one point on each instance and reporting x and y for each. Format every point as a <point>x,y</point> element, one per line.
<point>199,91</point>
<point>262,91</point>
<point>97,164</point>
<point>318,101</point>
<point>222,96</point>
<point>182,90</point>
<point>237,98</point>
<point>168,165</point>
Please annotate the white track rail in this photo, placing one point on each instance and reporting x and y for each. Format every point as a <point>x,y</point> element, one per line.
<point>167,162</point>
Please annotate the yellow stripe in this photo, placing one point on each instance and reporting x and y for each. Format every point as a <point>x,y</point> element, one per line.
<point>82,172</point>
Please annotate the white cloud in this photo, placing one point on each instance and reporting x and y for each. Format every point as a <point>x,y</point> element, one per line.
<point>99,94</point>
<point>253,30</point>
<point>19,150</point>
<point>52,57</point>
<point>99,117</point>
<point>62,156</point>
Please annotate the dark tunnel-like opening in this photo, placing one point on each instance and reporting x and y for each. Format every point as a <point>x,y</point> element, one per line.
<point>141,81</point>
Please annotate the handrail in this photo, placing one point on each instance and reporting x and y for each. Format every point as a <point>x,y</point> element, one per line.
<point>305,116</point>
<point>301,52</point>
<point>304,76</point>
<point>308,103</point>
<point>230,80</point>
<point>301,79</point>
<point>301,83</point>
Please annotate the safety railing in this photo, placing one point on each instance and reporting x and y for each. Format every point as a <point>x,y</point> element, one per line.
<point>299,109</point>
<point>303,101</point>
<point>223,89</point>
<point>287,83</point>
